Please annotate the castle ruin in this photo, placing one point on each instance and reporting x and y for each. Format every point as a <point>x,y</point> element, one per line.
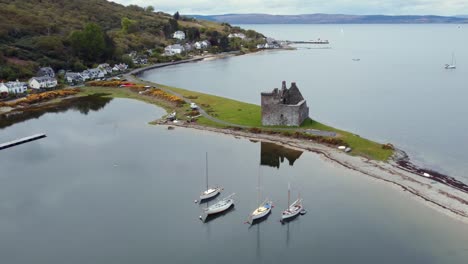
<point>284,107</point>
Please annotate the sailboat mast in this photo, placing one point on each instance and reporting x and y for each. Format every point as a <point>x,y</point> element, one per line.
<point>289,194</point>
<point>258,185</point>
<point>206,169</point>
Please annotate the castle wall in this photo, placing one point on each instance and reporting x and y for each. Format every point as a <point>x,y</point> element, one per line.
<point>285,107</point>
<point>284,115</point>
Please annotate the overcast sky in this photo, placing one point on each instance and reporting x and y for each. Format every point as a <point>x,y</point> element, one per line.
<point>288,7</point>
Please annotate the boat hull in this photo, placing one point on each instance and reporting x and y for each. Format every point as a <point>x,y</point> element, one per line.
<point>293,210</point>
<point>261,215</point>
<point>204,196</point>
<point>218,209</point>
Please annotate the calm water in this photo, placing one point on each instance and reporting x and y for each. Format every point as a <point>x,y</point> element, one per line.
<point>398,92</point>
<point>106,187</point>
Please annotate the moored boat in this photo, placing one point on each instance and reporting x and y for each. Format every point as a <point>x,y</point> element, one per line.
<point>293,210</point>
<point>209,192</point>
<point>220,206</point>
<point>263,210</point>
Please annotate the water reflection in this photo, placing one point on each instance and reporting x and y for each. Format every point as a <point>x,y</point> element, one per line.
<point>273,155</point>
<point>83,104</point>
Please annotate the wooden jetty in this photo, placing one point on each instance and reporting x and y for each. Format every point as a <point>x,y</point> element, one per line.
<point>21,141</point>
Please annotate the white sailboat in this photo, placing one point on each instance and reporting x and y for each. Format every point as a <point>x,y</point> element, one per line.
<point>294,209</point>
<point>453,64</point>
<point>220,206</point>
<point>210,192</point>
<point>263,209</point>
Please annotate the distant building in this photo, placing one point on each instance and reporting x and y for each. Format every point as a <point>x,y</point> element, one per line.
<point>3,90</point>
<point>43,82</point>
<point>46,71</point>
<point>201,45</point>
<point>284,107</point>
<point>237,35</point>
<point>180,35</point>
<point>73,77</point>
<point>173,49</point>
<point>16,87</point>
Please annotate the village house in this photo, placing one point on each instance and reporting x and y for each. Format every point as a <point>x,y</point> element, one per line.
<point>3,90</point>
<point>173,49</point>
<point>284,107</point>
<point>16,87</point>
<point>43,82</point>
<point>46,71</point>
<point>180,35</point>
<point>73,77</point>
<point>105,67</point>
<point>140,60</point>
<point>237,35</point>
<point>120,67</point>
<point>200,45</point>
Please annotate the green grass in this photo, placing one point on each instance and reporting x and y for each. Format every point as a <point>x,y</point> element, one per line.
<point>223,108</point>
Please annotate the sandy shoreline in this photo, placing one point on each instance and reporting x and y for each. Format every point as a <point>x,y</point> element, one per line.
<point>442,197</point>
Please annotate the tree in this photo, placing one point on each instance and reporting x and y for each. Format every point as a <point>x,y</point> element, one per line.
<point>89,44</point>
<point>224,43</point>
<point>176,15</point>
<point>150,9</point>
<point>193,34</point>
<point>128,25</point>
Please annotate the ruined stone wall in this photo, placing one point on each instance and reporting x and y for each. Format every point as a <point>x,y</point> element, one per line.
<point>284,115</point>
<point>285,107</point>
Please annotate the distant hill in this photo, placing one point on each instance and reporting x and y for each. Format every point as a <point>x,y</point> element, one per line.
<point>58,33</point>
<point>329,19</point>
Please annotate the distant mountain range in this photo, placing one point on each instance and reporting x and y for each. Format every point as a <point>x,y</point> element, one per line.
<point>330,19</point>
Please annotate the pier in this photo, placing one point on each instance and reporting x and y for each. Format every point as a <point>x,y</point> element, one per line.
<point>308,42</point>
<point>21,141</point>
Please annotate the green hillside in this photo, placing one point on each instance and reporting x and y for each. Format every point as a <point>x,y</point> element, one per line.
<point>68,34</point>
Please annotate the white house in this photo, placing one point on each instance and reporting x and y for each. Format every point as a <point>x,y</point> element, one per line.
<point>237,35</point>
<point>73,77</point>
<point>16,87</point>
<point>3,89</point>
<point>173,49</point>
<point>42,82</point>
<point>105,67</point>
<point>180,35</point>
<point>202,44</point>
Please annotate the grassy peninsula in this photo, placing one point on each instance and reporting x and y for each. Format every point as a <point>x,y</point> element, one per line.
<point>246,115</point>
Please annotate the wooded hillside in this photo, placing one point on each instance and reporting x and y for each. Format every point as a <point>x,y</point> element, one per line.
<point>73,35</point>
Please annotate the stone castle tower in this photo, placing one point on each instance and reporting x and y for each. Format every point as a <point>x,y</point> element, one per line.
<point>284,107</point>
